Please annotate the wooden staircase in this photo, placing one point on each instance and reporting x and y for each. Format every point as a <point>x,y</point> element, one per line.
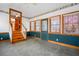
<point>17,36</point>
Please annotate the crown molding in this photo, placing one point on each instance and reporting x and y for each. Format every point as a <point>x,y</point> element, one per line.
<point>73,4</point>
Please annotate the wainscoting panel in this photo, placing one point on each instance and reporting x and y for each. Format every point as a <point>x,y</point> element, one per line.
<point>4,36</point>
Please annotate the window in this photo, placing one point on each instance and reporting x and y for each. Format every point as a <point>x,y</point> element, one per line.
<point>71,23</point>
<point>32,26</point>
<point>28,25</point>
<point>54,24</point>
<point>38,25</point>
<point>44,25</point>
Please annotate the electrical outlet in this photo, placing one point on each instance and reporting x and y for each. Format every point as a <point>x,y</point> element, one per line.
<point>57,39</point>
<point>1,38</point>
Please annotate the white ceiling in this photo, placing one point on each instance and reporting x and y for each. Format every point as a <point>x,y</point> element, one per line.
<point>32,9</point>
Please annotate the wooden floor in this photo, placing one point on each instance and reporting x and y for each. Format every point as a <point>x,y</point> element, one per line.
<point>35,47</point>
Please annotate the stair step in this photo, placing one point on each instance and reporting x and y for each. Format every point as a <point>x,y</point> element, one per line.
<point>17,36</point>
<point>15,40</point>
<point>16,33</point>
<point>18,39</point>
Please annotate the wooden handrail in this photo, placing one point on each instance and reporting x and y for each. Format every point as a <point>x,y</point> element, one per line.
<point>24,27</point>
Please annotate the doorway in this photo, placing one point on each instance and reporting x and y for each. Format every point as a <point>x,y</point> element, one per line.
<point>44,32</point>
<point>15,19</point>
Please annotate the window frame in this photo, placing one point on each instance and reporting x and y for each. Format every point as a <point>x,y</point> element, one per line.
<point>31,26</point>
<point>39,25</point>
<point>63,23</point>
<point>49,25</point>
<point>46,19</point>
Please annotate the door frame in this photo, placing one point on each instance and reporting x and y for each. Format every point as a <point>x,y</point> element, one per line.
<point>46,19</point>
<point>10,9</point>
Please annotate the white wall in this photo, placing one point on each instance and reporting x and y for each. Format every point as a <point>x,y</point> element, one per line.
<point>26,23</point>
<point>4,22</point>
<point>59,12</point>
<point>4,18</point>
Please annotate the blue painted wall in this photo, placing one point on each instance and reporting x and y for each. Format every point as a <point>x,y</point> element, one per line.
<point>5,36</point>
<point>36,34</point>
<point>28,34</point>
<point>44,35</point>
<point>72,40</point>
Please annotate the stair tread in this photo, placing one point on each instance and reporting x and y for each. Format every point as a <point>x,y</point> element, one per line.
<point>17,40</point>
<point>17,36</point>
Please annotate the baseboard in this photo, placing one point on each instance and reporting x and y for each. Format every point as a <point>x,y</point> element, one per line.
<point>62,44</point>
<point>4,40</point>
<point>4,32</point>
